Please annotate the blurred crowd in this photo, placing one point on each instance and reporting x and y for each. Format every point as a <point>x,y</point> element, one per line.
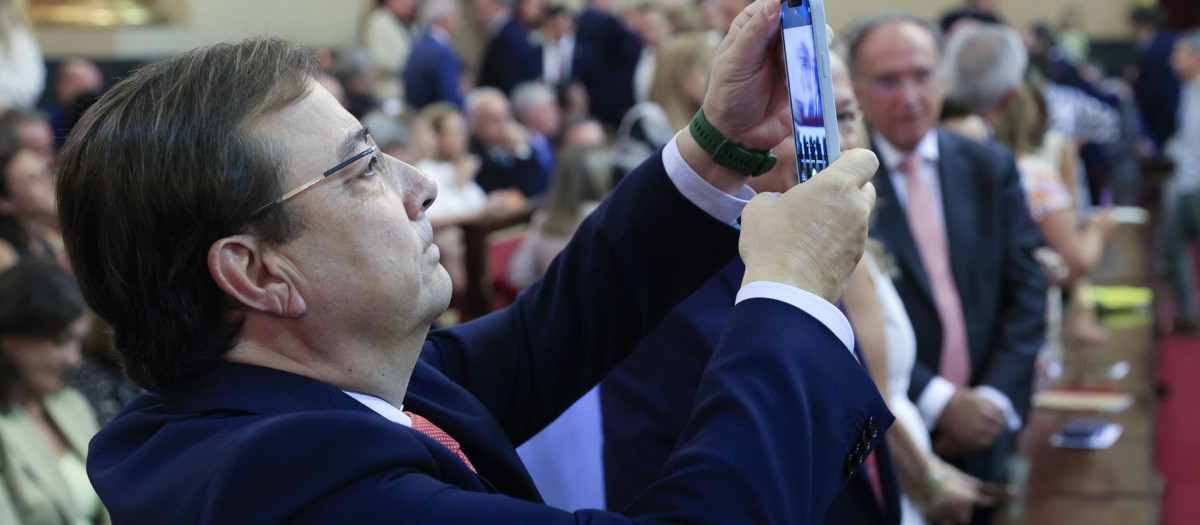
<point>562,104</point>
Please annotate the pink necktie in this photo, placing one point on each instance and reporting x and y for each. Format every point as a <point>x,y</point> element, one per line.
<point>931,242</point>
<point>426,427</point>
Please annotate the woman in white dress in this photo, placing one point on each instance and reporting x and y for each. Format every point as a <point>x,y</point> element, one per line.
<point>932,488</point>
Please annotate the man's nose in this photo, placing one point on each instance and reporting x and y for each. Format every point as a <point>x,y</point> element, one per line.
<point>420,190</point>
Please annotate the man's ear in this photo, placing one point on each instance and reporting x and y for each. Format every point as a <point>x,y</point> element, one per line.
<point>256,276</point>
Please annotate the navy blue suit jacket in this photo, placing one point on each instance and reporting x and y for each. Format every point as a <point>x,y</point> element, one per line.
<point>511,58</point>
<point>432,74</point>
<point>1157,87</point>
<point>647,399</point>
<point>608,54</point>
<point>991,239</point>
<point>244,444</point>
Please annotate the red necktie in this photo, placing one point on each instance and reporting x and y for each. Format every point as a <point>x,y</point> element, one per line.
<point>424,426</point>
<point>930,237</point>
<point>872,470</point>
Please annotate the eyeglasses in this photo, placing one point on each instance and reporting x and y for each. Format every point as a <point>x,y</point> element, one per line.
<point>372,150</point>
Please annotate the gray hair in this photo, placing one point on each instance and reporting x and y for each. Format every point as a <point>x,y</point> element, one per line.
<point>863,27</point>
<point>477,97</point>
<point>983,64</point>
<point>435,10</point>
<point>1192,38</point>
<point>528,95</point>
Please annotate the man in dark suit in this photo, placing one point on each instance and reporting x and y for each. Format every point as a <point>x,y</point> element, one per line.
<point>511,56</point>
<point>608,54</point>
<point>953,214</point>
<point>1156,88</point>
<point>434,72</point>
<point>278,308</point>
<point>507,156</point>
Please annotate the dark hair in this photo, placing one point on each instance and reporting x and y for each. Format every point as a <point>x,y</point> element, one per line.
<point>1145,15</point>
<point>862,28</point>
<point>160,168</point>
<point>37,299</point>
<point>10,230</point>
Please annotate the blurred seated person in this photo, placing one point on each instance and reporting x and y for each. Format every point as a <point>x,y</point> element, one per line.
<point>608,54</point>
<point>582,181</point>
<point>31,130</point>
<point>76,78</point>
<point>511,56</point>
<point>507,159</point>
<point>393,136</point>
<point>581,132</point>
<point>28,217</point>
<point>387,34</point>
<point>559,53</point>
<point>433,72</point>
<point>653,27</point>
<point>537,109</point>
<point>44,426</point>
<point>459,198</point>
<point>677,89</point>
<point>353,69</point>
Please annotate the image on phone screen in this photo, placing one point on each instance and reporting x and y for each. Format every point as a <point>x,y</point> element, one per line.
<point>804,86</point>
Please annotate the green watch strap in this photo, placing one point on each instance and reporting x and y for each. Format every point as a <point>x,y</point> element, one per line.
<point>724,152</point>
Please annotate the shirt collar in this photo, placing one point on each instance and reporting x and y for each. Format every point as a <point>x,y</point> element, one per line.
<point>891,156</point>
<point>439,34</point>
<point>383,408</point>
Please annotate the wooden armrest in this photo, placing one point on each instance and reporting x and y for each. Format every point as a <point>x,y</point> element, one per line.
<point>478,298</point>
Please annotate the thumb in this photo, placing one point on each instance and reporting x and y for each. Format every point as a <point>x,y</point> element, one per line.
<point>857,165</point>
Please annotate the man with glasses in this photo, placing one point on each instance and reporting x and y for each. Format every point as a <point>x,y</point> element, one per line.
<point>952,213</point>
<point>270,278</point>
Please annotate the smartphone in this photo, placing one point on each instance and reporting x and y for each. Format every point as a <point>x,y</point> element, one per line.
<point>810,85</point>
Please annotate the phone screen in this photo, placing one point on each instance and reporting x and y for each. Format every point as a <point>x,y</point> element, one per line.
<point>804,84</point>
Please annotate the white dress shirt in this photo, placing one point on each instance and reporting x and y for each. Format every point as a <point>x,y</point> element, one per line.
<point>725,208</point>
<point>939,390</point>
<point>557,59</point>
<point>643,74</point>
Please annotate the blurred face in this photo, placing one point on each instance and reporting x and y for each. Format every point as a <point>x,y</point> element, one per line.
<point>558,26</point>
<point>655,27</point>
<point>1185,60</point>
<point>898,84</point>
<point>847,105</point>
<point>584,134</point>
<point>42,361</point>
<point>405,10</point>
<point>492,120</point>
<point>544,118</point>
<point>529,12</point>
<point>37,137</point>
<point>365,261</point>
<point>30,190</point>
<point>75,78</point>
<point>452,141</point>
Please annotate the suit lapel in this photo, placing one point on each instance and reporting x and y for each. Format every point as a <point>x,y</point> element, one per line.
<point>891,226</point>
<point>959,193</point>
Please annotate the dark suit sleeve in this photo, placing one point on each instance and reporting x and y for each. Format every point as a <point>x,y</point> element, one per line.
<point>448,80</point>
<point>780,408</point>
<point>1022,311</point>
<point>638,255</point>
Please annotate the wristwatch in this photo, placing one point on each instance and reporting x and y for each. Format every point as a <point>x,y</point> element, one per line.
<point>729,154</point>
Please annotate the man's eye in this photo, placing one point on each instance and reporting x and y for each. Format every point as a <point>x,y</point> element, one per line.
<point>373,168</point>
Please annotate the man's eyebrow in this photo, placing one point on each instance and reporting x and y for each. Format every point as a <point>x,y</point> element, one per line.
<point>350,144</point>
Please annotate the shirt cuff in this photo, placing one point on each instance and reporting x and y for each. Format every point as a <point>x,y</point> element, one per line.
<point>718,204</point>
<point>1002,402</point>
<point>934,399</point>
<point>812,304</point>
